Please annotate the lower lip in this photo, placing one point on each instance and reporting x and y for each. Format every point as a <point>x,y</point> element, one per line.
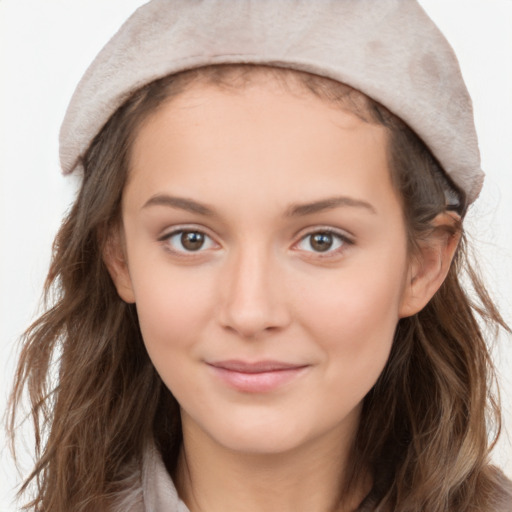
<point>261,382</point>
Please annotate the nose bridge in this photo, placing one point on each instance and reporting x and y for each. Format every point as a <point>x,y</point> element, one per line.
<point>253,299</point>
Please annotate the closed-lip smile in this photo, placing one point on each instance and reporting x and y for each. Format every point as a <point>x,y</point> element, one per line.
<point>256,377</point>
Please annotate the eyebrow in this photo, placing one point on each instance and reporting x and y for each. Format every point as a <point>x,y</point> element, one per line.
<point>294,210</point>
<point>179,202</point>
<point>298,210</point>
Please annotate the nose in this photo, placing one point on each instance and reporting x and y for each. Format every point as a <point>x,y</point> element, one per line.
<point>253,298</point>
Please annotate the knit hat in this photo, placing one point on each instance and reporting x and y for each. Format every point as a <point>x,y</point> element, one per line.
<point>388,49</point>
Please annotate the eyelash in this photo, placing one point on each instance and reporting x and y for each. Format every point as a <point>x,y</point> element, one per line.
<point>179,232</point>
<point>343,241</point>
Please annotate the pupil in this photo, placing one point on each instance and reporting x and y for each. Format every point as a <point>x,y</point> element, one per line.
<point>321,242</point>
<point>192,241</point>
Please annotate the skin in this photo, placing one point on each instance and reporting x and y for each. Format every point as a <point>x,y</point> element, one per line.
<point>259,290</point>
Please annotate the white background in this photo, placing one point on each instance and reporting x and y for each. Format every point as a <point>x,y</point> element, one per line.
<point>44,48</point>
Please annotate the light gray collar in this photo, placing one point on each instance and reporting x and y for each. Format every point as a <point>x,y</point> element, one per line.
<point>159,492</point>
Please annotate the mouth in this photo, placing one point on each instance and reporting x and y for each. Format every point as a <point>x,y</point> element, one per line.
<point>256,377</point>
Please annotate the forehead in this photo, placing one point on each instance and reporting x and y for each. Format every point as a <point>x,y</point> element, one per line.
<point>261,138</point>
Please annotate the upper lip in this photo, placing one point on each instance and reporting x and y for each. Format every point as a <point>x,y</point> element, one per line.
<point>235,365</point>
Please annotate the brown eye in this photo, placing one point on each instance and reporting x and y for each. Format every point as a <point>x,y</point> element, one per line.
<point>192,240</point>
<point>321,242</point>
<point>187,241</point>
<point>324,242</point>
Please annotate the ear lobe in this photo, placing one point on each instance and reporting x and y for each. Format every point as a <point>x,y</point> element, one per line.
<point>115,261</point>
<point>431,264</point>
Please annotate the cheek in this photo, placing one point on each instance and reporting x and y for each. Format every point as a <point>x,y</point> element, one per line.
<point>174,310</point>
<point>353,316</point>
<point>173,307</point>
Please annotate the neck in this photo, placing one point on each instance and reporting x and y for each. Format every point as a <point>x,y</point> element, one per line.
<point>212,478</point>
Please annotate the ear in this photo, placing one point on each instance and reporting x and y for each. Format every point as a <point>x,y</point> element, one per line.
<point>114,257</point>
<point>430,265</point>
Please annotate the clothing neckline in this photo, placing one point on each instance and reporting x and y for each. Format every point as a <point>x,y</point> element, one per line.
<point>159,491</point>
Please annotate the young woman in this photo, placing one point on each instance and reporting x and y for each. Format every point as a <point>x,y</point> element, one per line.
<point>257,296</point>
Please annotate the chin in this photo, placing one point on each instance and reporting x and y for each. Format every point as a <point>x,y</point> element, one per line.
<point>261,442</point>
<point>257,433</point>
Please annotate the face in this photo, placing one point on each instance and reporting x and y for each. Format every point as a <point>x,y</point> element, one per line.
<point>266,253</point>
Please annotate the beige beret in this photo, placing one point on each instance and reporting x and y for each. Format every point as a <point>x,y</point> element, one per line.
<point>388,49</point>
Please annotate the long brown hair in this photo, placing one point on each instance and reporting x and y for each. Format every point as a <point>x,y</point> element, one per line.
<point>96,399</point>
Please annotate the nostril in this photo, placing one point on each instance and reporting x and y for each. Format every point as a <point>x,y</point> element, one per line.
<point>250,320</point>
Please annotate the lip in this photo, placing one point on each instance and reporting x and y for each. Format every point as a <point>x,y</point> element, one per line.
<point>256,377</point>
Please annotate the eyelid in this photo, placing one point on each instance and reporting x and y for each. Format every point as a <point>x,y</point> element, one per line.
<point>322,228</point>
<point>175,230</point>
<point>346,239</point>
